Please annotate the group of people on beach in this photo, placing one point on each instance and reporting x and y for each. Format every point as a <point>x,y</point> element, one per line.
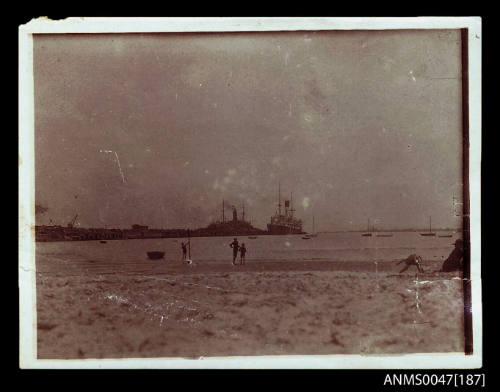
<point>452,263</point>
<point>238,248</point>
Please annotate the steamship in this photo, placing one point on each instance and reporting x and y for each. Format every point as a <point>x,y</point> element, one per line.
<point>284,223</point>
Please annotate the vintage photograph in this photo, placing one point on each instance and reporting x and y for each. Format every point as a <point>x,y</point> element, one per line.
<point>251,193</point>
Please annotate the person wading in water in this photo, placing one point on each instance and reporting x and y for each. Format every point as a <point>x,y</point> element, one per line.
<point>235,247</point>
<point>184,251</point>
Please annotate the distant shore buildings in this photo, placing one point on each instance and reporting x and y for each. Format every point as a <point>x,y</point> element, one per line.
<point>61,233</point>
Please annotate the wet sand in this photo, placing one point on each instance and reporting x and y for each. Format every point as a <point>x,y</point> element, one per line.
<point>88,309</point>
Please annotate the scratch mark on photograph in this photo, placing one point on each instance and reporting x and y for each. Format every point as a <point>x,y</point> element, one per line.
<point>117,160</point>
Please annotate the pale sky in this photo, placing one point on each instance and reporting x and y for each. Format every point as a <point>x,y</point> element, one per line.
<point>157,129</point>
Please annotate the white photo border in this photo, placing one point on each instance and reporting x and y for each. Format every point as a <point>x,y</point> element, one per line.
<point>27,270</point>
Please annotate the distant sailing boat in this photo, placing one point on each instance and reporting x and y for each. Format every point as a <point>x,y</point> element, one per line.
<point>369,234</point>
<point>314,234</point>
<point>430,233</point>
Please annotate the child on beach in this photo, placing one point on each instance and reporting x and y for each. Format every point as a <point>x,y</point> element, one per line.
<point>243,250</point>
<point>412,260</point>
<point>235,247</point>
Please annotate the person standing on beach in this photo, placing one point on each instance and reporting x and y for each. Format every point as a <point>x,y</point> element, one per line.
<point>235,247</point>
<point>243,251</point>
<point>412,260</point>
<point>184,251</point>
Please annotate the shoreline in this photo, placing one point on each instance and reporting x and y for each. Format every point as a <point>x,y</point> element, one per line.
<point>100,235</point>
<point>164,267</point>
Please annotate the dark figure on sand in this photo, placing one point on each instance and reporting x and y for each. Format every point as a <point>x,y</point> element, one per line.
<point>243,251</point>
<point>412,260</point>
<point>455,259</point>
<point>235,247</point>
<point>184,251</point>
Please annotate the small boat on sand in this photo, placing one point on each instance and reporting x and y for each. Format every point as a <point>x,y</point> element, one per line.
<point>384,235</point>
<point>445,235</point>
<point>306,237</point>
<point>252,237</point>
<point>155,255</point>
<point>103,242</point>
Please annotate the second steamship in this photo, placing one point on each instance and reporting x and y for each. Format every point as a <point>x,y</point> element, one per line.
<point>284,223</point>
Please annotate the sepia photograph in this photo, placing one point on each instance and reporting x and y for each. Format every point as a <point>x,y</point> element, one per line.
<point>197,193</point>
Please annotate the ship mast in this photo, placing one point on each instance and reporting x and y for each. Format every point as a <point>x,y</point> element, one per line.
<point>223,217</point>
<point>279,198</point>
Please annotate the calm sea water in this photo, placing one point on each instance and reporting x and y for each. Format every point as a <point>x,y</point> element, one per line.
<point>327,246</point>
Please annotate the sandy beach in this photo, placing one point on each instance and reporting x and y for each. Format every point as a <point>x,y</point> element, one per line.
<point>262,308</point>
